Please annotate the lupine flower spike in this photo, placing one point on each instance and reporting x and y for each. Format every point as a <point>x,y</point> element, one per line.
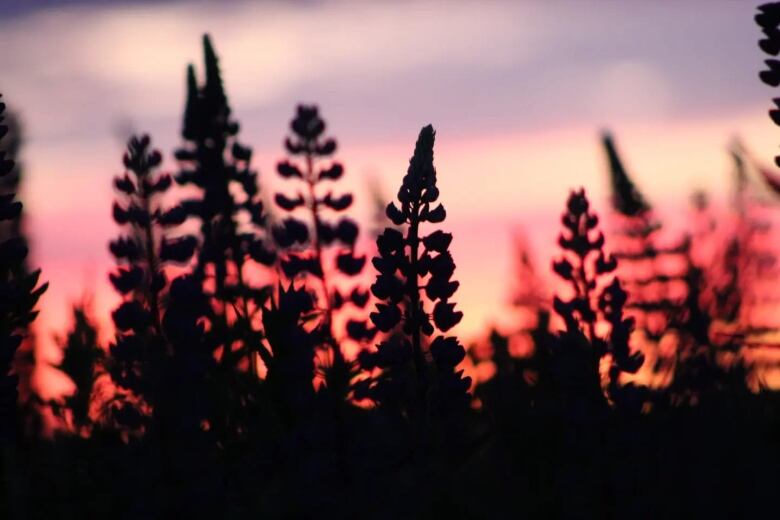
<point>19,293</point>
<point>586,269</point>
<point>415,273</point>
<point>142,254</point>
<point>306,243</point>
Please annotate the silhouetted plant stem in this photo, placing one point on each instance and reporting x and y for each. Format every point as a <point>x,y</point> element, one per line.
<point>314,210</point>
<point>583,288</point>
<point>152,262</point>
<point>413,290</point>
<point>253,345</point>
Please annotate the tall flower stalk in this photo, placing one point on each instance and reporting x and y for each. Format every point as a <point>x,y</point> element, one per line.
<point>232,217</point>
<point>19,293</point>
<point>657,290</point>
<point>142,254</point>
<point>308,243</point>
<point>587,269</point>
<point>24,359</point>
<point>230,212</point>
<point>414,273</point>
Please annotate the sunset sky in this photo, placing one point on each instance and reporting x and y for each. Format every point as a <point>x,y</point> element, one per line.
<point>518,92</point>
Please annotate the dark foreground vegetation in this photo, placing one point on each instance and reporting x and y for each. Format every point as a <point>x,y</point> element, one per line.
<point>254,373</point>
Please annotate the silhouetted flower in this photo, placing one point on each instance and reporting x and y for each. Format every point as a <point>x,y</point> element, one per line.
<point>405,269</point>
<point>213,160</point>
<point>648,270</point>
<point>769,21</point>
<point>19,293</point>
<point>232,221</point>
<point>583,266</point>
<point>307,242</point>
<point>626,199</point>
<point>139,351</point>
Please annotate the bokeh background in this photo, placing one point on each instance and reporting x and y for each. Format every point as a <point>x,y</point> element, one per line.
<point>518,91</point>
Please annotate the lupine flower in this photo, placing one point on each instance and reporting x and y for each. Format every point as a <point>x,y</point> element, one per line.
<point>216,162</point>
<point>320,248</point>
<point>19,293</point>
<point>728,292</point>
<point>13,226</point>
<point>414,273</point>
<point>768,18</point>
<point>232,219</point>
<point>137,356</point>
<point>307,242</point>
<point>213,160</point>
<point>748,256</point>
<point>584,266</point>
<point>647,269</point>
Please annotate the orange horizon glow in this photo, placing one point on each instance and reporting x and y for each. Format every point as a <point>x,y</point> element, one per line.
<point>482,245</point>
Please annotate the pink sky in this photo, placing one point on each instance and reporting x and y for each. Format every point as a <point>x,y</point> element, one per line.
<point>517,90</point>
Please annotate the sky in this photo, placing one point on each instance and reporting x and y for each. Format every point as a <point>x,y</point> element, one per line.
<point>518,92</point>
